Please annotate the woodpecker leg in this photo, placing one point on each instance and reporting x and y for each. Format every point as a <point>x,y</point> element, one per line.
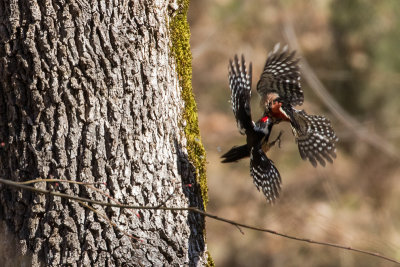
<point>266,146</point>
<point>277,139</point>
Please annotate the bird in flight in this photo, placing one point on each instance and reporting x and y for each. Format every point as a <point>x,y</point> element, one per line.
<point>280,91</point>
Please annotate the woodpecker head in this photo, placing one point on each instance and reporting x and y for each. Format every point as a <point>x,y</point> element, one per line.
<point>264,124</point>
<point>268,100</point>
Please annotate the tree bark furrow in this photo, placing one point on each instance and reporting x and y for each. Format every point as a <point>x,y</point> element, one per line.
<point>89,92</point>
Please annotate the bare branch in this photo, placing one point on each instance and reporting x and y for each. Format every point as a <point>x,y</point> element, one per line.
<point>168,198</point>
<point>196,210</point>
<point>54,180</point>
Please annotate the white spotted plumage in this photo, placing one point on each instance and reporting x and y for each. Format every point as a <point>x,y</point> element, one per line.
<point>240,85</point>
<point>281,75</point>
<point>265,175</point>
<point>315,138</point>
<point>314,134</point>
<point>280,90</point>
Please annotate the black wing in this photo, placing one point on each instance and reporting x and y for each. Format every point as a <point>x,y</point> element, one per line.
<point>315,137</point>
<point>240,85</point>
<point>265,176</point>
<point>281,75</point>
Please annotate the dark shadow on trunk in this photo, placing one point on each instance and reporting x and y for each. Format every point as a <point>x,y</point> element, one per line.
<point>191,189</point>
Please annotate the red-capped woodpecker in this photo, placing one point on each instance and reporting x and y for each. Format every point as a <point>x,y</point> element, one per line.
<point>280,90</point>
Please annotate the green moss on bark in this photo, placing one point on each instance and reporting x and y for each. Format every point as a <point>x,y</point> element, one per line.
<point>210,261</point>
<point>180,35</point>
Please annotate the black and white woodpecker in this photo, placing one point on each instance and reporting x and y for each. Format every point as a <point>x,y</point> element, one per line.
<point>280,91</point>
<point>266,176</point>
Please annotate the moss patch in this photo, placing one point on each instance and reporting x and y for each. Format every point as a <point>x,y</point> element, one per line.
<point>180,35</point>
<point>210,261</point>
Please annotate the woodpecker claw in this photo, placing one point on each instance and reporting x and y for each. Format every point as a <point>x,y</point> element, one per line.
<point>277,139</point>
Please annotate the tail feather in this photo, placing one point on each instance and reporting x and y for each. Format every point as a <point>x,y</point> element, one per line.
<point>236,153</point>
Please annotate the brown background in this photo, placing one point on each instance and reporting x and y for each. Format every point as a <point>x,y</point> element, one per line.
<point>353,49</point>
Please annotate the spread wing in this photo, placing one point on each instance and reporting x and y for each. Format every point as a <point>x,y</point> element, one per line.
<point>281,75</point>
<point>315,137</point>
<point>265,175</point>
<point>240,85</point>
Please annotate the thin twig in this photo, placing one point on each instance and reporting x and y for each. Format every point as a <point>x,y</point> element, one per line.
<point>109,197</point>
<point>168,198</point>
<point>53,180</point>
<point>240,229</point>
<point>196,210</point>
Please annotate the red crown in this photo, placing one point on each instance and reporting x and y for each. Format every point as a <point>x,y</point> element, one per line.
<point>264,119</point>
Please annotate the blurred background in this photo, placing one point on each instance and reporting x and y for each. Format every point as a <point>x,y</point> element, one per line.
<point>351,74</point>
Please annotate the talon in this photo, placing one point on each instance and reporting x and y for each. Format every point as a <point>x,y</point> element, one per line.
<point>277,139</point>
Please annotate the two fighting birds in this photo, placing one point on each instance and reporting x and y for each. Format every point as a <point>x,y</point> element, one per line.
<point>280,91</point>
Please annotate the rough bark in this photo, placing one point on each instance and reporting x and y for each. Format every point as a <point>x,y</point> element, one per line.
<point>89,91</point>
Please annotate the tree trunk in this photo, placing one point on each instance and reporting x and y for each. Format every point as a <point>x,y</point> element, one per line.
<point>89,91</point>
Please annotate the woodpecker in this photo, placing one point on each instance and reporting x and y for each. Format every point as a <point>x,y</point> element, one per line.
<point>265,175</point>
<point>280,90</point>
